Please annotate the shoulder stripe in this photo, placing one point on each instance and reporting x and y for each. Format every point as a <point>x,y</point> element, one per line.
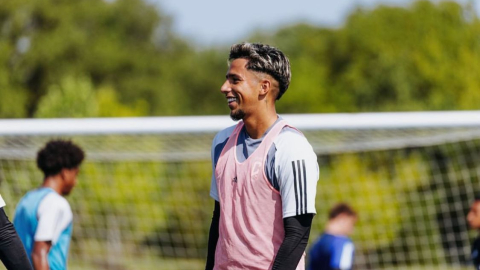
<point>294,170</point>
<point>346,259</point>
<point>305,187</point>
<point>300,185</point>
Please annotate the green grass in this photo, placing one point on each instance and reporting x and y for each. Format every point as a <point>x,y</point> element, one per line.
<point>429,267</point>
<point>184,264</point>
<point>141,264</point>
<point>179,264</point>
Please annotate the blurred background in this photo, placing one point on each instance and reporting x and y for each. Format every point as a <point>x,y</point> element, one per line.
<point>142,200</point>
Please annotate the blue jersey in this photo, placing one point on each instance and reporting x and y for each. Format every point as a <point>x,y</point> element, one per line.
<point>331,252</point>
<point>476,253</point>
<point>26,223</point>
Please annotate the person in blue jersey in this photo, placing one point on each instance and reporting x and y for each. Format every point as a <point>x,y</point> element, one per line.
<point>43,217</point>
<point>334,250</point>
<point>12,252</point>
<point>473,219</point>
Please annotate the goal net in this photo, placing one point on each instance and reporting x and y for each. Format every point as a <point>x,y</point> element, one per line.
<point>142,199</point>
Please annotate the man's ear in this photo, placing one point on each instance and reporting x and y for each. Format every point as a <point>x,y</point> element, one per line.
<point>265,87</point>
<point>63,173</point>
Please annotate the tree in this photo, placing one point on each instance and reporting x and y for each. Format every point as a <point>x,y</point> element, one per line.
<point>45,41</point>
<point>424,57</point>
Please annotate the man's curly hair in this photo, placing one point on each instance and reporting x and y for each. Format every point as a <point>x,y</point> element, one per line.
<point>57,155</point>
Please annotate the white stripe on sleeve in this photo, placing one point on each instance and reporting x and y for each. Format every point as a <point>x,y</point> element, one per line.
<point>297,173</point>
<point>347,256</point>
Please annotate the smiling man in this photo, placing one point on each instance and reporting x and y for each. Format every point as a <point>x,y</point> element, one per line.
<point>264,170</point>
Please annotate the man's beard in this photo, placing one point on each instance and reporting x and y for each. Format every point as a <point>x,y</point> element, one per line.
<point>237,115</point>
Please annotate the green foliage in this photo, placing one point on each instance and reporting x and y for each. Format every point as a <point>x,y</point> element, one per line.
<point>184,194</point>
<point>424,57</point>
<point>110,106</point>
<point>44,41</point>
<point>150,205</point>
<point>411,203</point>
<point>73,97</point>
<point>116,185</point>
<point>379,214</point>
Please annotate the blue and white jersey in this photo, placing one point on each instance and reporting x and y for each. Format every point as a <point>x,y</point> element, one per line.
<point>290,166</point>
<point>44,215</point>
<point>331,252</point>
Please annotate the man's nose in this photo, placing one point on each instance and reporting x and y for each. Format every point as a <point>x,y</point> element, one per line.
<point>225,87</point>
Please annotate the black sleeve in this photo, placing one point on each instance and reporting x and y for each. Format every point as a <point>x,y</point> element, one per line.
<point>297,231</point>
<point>213,237</point>
<point>12,252</point>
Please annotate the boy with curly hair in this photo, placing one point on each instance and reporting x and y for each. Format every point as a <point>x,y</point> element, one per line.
<point>43,217</point>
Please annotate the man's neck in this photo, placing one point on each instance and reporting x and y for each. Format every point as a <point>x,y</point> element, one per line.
<point>54,183</point>
<point>257,126</point>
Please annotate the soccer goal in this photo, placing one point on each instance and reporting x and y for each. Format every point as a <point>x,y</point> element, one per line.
<point>142,199</point>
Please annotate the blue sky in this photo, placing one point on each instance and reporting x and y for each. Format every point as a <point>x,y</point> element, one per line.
<point>220,22</point>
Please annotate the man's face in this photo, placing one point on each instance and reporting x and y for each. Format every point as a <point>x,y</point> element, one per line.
<point>473,216</point>
<point>350,222</point>
<point>241,88</point>
<point>69,180</point>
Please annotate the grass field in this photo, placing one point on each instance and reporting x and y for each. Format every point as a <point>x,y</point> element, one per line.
<point>178,264</point>
<point>429,267</point>
<point>141,264</point>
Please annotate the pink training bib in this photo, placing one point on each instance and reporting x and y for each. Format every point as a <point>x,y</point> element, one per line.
<point>251,224</point>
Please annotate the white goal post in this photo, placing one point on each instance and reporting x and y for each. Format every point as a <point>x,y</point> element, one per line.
<point>191,124</point>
